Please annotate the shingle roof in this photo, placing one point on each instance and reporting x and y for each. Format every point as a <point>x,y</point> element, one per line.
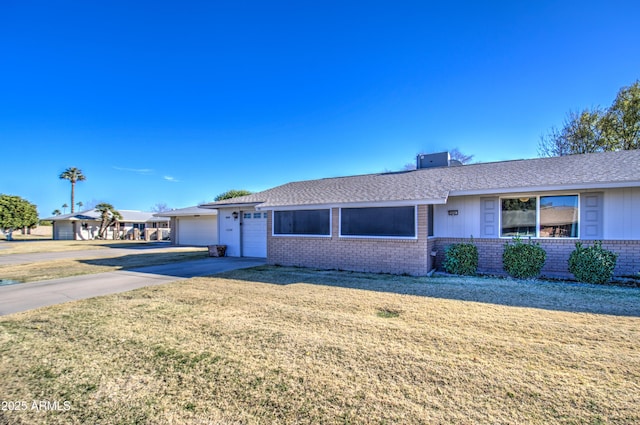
<point>434,185</point>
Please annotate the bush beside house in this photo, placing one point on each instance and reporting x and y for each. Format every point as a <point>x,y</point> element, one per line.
<point>523,260</point>
<point>462,259</point>
<point>593,264</point>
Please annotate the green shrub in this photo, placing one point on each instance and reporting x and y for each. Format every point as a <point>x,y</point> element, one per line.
<point>523,260</point>
<point>461,258</point>
<point>593,264</point>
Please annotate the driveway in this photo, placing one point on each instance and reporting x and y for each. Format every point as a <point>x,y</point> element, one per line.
<point>11,259</point>
<point>27,296</point>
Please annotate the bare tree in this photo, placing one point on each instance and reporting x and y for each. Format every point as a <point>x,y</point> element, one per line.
<point>160,207</point>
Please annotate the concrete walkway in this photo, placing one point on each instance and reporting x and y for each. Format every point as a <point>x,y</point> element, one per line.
<point>27,296</point>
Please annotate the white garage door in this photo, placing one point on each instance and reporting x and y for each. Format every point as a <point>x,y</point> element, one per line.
<point>254,234</point>
<point>64,231</point>
<point>199,231</point>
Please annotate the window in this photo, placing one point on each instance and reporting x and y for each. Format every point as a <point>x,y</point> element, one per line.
<point>302,222</point>
<point>246,215</point>
<point>559,216</point>
<point>540,216</point>
<point>430,211</point>
<point>257,215</point>
<point>519,217</point>
<point>395,222</point>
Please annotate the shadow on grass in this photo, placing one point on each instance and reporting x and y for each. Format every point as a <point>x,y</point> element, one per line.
<point>132,244</point>
<point>177,264</point>
<point>558,296</point>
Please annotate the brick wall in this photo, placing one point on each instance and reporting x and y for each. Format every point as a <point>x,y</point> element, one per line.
<point>558,252</point>
<point>397,256</point>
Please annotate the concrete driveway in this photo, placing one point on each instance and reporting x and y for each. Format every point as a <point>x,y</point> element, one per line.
<point>10,259</point>
<point>27,296</point>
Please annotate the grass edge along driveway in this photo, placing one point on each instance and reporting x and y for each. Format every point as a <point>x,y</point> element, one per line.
<point>286,345</point>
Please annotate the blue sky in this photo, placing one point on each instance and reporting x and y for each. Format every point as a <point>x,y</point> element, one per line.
<point>175,102</point>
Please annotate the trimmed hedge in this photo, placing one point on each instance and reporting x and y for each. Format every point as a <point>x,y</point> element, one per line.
<point>523,261</point>
<point>461,258</point>
<point>593,264</point>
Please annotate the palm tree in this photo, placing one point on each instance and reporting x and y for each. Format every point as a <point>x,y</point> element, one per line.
<point>64,208</point>
<point>74,175</point>
<point>79,204</point>
<point>108,216</point>
<point>56,212</point>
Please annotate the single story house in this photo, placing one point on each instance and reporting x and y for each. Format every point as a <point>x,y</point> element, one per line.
<point>85,225</point>
<point>401,222</point>
<point>193,226</point>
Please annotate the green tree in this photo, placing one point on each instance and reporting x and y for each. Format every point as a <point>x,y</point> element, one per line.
<point>74,175</point>
<point>233,193</point>
<point>64,208</point>
<point>622,122</point>
<point>79,204</point>
<point>598,130</point>
<point>16,213</point>
<point>56,212</point>
<point>108,217</point>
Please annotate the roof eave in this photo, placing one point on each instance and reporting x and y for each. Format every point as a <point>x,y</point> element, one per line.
<point>215,205</point>
<point>546,188</point>
<point>361,204</point>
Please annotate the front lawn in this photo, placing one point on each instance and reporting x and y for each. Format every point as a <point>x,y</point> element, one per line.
<point>285,345</point>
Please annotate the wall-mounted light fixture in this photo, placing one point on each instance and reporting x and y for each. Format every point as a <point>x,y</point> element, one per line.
<point>453,212</point>
<point>524,199</point>
<point>235,215</point>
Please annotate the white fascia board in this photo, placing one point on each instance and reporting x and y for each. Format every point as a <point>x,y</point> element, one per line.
<point>227,206</point>
<point>565,187</point>
<point>188,213</point>
<point>439,201</point>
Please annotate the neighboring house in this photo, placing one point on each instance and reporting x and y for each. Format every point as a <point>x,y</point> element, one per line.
<point>192,226</point>
<point>401,222</point>
<point>85,225</point>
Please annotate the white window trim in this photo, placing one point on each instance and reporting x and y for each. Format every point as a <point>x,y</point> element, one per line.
<point>537,215</point>
<point>409,238</point>
<point>294,235</point>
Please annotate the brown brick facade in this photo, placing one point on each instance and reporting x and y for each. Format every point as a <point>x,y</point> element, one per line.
<point>413,257</point>
<point>558,252</point>
<point>396,256</point>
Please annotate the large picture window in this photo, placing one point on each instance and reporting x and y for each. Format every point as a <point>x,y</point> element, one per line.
<point>397,222</point>
<point>302,222</point>
<point>540,216</point>
<point>519,217</point>
<point>559,216</point>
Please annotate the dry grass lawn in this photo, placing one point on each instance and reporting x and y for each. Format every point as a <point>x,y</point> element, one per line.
<point>235,349</point>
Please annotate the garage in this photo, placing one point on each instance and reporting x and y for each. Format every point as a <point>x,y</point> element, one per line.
<point>199,231</point>
<point>63,230</point>
<point>254,234</point>
<point>192,226</point>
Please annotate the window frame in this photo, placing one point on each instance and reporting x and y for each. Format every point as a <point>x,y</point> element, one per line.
<point>537,227</point>
<point>300,235</point>
<point>415,224</point>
